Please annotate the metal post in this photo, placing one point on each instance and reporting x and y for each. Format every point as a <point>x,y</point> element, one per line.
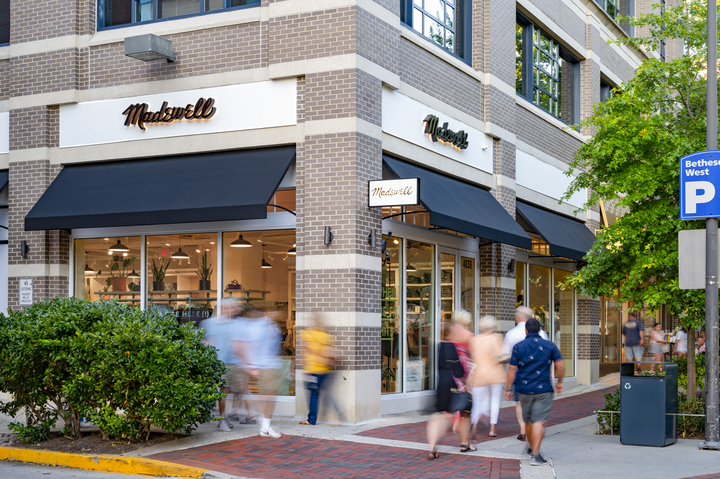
<point>712,426</point>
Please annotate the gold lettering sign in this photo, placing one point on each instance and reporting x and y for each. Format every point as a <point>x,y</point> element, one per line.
<point>139,115</point>
<point>437,132</point>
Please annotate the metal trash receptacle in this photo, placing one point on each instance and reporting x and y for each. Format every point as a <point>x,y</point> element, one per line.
<point>648,406</point>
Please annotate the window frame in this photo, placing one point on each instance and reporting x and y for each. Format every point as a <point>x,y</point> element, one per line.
<point>462,31</point>
<point>527,69</point>
<point>134,6</point>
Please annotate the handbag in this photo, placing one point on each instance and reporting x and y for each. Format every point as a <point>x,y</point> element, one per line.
<point>460,401</point>
<point>234,285</point>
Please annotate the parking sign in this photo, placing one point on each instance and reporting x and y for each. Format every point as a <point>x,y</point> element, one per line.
<point>700,185</point>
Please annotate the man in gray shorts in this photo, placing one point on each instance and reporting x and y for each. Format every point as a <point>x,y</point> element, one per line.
<point>530,372</point>
<point>634,333</point>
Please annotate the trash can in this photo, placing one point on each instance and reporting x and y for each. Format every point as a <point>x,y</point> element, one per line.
<point>648,405</point>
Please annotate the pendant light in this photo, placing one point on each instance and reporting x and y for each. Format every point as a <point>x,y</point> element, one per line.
<point>241,243</point>
<point>410,268</point>
<point>292,251</point>
<point>180,254</point>
<point>264,264</point>
<point>133,275</point>
<point>88,269</point>
<point>119,247</point>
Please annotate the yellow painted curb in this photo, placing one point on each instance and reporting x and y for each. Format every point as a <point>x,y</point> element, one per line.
<point>101,462</point>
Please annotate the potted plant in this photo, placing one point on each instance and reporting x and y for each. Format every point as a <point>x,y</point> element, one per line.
<point>158,273</point>
<point>119,272</point>
<point>204,272</point>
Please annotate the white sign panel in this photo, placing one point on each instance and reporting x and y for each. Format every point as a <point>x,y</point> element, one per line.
<point>539,176</point>
<point>691,259</point>
<point>246,106</point>
<point>404,192</point>
<point>407,119</point>
<point>26,291</point>
<point>4,132</point>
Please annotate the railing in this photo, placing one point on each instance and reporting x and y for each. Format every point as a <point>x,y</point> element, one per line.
<point>618,413</point>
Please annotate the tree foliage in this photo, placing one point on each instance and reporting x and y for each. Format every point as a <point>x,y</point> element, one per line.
<point>122,368</point>
<point>640,134</point>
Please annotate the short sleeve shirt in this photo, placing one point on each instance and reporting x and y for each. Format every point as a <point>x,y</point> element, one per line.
<point>217,333</point>
<point>631,331</point>
<point>263,338</point>
<point>533,357</point>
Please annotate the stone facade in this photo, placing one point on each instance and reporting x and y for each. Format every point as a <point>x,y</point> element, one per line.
<point>343,54</point>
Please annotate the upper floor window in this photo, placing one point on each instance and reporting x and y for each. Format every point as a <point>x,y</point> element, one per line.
<point>4,21</point>
<point>606,91</point>
<point>545,73</point>
<point>444,22</point>
<point>123,12</point>
<point>612,7</point>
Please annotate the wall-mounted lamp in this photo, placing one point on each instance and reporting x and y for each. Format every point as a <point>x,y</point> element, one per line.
<point>24,249</point>
<point>485,147</point>
<point>149,47</point>
<point>371,238</point>
<point>327,239</point>
<point>511,266</point>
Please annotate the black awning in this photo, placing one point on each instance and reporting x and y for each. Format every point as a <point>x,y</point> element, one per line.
<point>222,186</point>
<point>567,237</point>
<point>462,207</point>
<point>4,178</point>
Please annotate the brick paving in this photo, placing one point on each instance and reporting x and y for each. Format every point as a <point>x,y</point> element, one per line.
<point>708,476</point>
<point>295,457</point>
<point>563,410</point>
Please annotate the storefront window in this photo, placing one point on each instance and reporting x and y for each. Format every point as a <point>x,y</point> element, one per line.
<point>564,308</point>
<point>182,275</point>
<point>420,304</point>
<point>259,268</point>
<point>391,363</point>
<point>467,285</point>
<point>520,274</point>
<point>539,294</point>
<point>108,268</point>
<point>610,324</point>
<point>447,289</point>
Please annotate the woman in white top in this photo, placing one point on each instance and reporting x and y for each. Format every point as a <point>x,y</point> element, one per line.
<point>657,342</point>
<point>681,342</point>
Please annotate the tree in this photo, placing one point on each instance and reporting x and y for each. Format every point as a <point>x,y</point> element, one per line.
<point>641,133</point>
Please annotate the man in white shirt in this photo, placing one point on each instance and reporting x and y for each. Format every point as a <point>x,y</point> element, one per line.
<point>512,337</point>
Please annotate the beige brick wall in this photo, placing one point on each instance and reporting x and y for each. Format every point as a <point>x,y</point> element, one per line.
<point>33,20</point>
<point>43,73</point>
<point>4,79</point>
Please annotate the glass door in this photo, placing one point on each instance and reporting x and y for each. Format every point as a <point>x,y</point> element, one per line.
<point>448,277</point>
<point>420,316</point>
<point>468,291</point>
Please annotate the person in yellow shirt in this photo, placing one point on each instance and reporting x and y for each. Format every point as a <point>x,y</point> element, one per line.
<point>318,354</point>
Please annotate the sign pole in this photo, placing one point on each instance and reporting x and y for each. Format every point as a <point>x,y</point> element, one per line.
<point>712,426</point>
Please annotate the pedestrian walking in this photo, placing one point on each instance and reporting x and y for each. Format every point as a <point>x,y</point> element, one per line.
<point>634,333</point>
<point>461,340</point>
<point>487,378</point>
<point>530,370</point>
<point>218,330</point>
<point>512,337</point>
<point>257,343</point>
<point>681,342</point>
<point>449,394</point>
<point>318,355</point>
<point>657,343</point>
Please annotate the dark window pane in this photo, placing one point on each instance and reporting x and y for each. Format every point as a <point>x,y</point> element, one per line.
<point>144,11</point>
<point>213,5</point>
<point>117,12</point>
<point>4,21</point>
<point>518,58</point>
<point>176,8</point>
<point>241,3</point>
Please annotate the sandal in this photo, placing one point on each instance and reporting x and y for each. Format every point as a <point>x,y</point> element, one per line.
<point>492,434</point>
<point>467,448</point>
<point>306,423</point>
<point>432,455</point>
<point>248,420</point>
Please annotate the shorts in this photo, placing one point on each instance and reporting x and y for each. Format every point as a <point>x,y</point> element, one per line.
<point>269,381</point>
<point>535,407</point>
<point>634,352</point>
<point>236,378</point>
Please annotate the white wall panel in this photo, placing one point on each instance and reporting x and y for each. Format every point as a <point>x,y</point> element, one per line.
<point>546,179</point>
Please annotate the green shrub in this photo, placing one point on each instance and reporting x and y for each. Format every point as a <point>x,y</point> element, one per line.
<point>610,422</point>
<point>122,368</point>
<point>691,426</point>
<point>681,361</point>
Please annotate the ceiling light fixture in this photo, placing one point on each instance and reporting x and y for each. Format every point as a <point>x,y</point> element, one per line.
<point>410,268</point>
<point>88,269</point>
<point>264,264</point>
<point>119,247</point>
<point>292,250</point>
<point>133,275</point>
<point>240,243</point>
<point>180,254</point>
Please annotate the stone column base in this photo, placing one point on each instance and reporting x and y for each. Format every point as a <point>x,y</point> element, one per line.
<point>588,371</point>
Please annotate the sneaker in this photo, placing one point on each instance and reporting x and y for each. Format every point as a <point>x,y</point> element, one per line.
<point>529,453</point>
<point>538,460</point>
<point>224,425</point>
<point>269,432</point>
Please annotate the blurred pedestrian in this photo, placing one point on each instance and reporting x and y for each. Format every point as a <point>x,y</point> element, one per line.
<point>681,342</point>
<point>318,356</point>
<point>218,330</point>
<point>512,337</point>
<point>257,343</point>
<point>462,336</point>
<point>700,341</point>
<point>530,366</point>
<point>450,374</point>
<point>487,378</point>
<point>634,333</point>
<point>657,343</point>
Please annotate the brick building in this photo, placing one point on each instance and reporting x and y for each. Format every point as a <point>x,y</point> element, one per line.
<point>250,154</point>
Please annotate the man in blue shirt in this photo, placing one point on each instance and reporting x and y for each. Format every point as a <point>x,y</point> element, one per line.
<point>530,366</point>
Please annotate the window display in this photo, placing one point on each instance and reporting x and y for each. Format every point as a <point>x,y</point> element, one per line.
<point>391,330</point>
<point>108,268</point>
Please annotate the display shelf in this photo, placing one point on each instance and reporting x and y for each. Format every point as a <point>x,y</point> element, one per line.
<point>183,295</point>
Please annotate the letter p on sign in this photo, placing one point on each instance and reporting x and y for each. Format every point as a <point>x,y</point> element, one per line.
<point>692,198</point>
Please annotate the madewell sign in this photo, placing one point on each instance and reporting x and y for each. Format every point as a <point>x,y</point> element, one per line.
<point>405,192</point>
<point>138,114</point>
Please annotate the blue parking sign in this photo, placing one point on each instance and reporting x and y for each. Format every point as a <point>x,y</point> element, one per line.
<point>700,185</point>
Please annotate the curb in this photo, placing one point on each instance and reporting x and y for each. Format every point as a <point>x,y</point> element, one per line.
<point>102,462</point>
